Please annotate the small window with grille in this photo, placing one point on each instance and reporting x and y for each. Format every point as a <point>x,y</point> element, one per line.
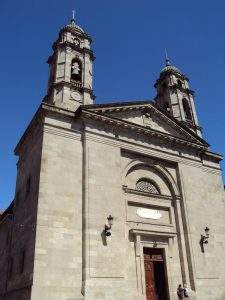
<point>147,186</point>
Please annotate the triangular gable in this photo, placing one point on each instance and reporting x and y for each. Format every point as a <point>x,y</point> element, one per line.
<point>146,115</point>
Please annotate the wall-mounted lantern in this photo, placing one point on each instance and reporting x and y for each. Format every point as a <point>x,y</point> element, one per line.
<point>109,226</point>
<point>204,239</point>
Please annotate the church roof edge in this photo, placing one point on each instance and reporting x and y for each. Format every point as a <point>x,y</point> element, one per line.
<point>119,103</point>
<point>7,211</point>
<point>45,108</point>
<point>144,103</point>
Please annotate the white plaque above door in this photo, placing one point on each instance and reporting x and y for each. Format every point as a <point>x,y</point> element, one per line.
<point>148,213</point>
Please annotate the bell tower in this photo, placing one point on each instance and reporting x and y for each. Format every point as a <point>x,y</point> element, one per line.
<point>175,97</point>
<point>70,69</point>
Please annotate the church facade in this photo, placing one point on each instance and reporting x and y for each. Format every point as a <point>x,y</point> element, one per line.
<point>113,201</point>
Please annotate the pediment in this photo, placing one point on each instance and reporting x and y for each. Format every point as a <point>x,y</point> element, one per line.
<point>147,116</point>
<point>146,119</point>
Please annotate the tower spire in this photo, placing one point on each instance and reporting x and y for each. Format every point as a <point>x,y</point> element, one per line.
<point>73,22</point>
<point>175,97</point>
<point>73,15</point>
<point>168,63</point>
<point>70,78</point>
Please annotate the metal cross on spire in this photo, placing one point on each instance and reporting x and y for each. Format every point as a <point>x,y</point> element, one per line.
<point>167,58</point>
<point>73,17</point>
<point>73,14</point>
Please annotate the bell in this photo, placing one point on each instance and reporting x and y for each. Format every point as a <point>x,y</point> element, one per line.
<point>75,69</point>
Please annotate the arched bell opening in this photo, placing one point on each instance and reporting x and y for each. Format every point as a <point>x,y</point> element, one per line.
<point>187,109</point>
<point>179,83</point>
<point>76,70</point>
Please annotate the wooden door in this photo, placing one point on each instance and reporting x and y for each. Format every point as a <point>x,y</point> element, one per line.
<point>149,278</point>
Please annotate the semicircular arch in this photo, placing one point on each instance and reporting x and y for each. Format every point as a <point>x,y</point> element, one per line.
<point>156,169</point>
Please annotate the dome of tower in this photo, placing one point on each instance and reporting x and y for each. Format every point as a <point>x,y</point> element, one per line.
<point>74,26</point>
<point>170,68</point>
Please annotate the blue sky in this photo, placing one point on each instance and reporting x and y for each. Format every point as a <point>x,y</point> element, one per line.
<point>129,40</point>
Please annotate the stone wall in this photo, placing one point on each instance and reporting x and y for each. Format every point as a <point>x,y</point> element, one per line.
<point>198,184</point>
<point>81,172</point>
<point>203,196</point>
<point>58,250</point>
<point>5,239</point>
<point>23,224</point>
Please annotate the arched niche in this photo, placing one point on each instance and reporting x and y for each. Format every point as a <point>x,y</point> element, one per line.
<point>155,173</point>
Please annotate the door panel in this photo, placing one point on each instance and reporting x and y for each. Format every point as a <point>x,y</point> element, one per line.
<point>155,279</point>
<point>149,278</point>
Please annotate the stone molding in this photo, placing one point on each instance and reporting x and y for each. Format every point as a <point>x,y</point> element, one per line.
<point>48,109</point>
<point>161,171</point>
<point>149,151</point>
<point>33,133</point>
<point>149,200</point>
<point>166,234</point>
<point>59,45</point>
<point>63,132</point>
<point>72,85</point>
<point>174,87</point>
<point>74,31</point>
<point>164,75</point>
<point>149,107</point>
<point>137,192</point>
<point>38,120</point>
<point>140,129</point>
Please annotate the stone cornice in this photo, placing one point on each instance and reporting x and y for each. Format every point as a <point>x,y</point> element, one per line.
<point>64,132</point>
<point>74,31</point>
<point>140,129</point>
<point>57,45</point>
<point>38,120</point>
<point>141,149</point>
<point>213,155</point>
<point>165,74</point>
<point>141,193</point>
<point>118,105</point>
<point>165,234</point>
<point>73,85</point>
<point>48,109</point>
<point>174,87</point>
<point>118,108</point>
<point>150,107</point>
